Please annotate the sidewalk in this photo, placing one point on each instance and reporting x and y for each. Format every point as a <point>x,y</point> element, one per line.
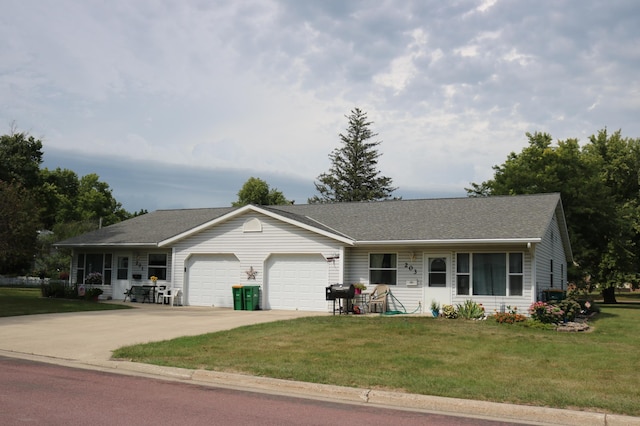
<point>86,339</point>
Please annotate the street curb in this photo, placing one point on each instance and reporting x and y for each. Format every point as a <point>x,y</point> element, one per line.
<point>344,394</point>
<point>449,406</point>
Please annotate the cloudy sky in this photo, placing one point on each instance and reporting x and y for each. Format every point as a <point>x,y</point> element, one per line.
<point>175,104</point>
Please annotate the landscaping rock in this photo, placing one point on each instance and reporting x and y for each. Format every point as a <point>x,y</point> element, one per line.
<point>572,326</point>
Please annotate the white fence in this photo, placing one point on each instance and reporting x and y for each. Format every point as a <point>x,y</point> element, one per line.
<point>26,281</point>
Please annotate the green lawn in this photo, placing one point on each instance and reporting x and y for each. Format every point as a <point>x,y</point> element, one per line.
<point>28,301</point>
<point>596,371</point>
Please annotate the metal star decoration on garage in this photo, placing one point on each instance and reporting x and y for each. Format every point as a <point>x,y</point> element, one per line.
<point>251,273</point>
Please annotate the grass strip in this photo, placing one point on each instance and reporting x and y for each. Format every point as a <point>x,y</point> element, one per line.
<point>16,301</point>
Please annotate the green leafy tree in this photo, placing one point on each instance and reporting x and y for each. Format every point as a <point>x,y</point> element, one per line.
<point>58,192</point>
<point>18,227</point>
<point>95,201</point>
<point>353,175</point>
<point>599,187</point>
<point>256,191</point>
<point>618,161</point>
<point>20,159</point>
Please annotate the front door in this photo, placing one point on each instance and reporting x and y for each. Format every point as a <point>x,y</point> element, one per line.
<point>437,279</point>
<point>121,283</point>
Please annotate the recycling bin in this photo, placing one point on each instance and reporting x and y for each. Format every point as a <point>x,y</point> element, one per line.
<point>251,297</point>
<point>238,302</point>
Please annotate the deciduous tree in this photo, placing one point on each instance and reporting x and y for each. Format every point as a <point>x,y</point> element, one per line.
<point>18,227</point>
<point>20,159</point>
<point>256,191</point>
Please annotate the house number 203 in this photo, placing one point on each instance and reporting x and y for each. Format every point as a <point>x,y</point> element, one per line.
<point>411,268</point>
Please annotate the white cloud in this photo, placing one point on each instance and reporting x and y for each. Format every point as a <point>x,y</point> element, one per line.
<point>403,68</point>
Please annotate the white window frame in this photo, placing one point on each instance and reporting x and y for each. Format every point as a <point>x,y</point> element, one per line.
<point>392,269</point>
<point>509,273</point>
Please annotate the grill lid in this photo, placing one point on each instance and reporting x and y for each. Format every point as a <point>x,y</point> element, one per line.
<point>341,291</point>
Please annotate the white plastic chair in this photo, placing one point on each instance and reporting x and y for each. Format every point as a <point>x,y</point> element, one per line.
<point>170,294</point>
<point>160,292</point>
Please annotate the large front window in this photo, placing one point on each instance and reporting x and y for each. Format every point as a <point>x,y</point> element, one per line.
<point>92,264</point>
<point>383,268</point>
<point>490,274</point>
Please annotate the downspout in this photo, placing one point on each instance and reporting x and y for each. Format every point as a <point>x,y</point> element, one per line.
<point>71,274</point>
<point>173,268</point>
<point>341,265</point>
<point>534,268</point>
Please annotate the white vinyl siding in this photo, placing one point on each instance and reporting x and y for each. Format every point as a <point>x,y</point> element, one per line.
<point>550,261</point>
<point>409,270</point>
<point>253,249</point>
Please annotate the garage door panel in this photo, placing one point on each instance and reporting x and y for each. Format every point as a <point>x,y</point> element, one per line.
<point>210,278</point>
<point>296,282</point>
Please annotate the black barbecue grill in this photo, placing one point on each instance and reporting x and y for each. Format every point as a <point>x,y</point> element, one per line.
<point>341,292</point>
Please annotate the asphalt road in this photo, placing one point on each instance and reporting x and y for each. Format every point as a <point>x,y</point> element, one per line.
<point>48,394</point>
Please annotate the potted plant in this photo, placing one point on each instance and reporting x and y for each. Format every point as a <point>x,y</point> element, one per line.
<point>93,293</point>
<point>435,308</point>
<point>360,287</point>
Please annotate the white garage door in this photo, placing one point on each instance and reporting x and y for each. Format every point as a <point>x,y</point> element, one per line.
<point>296,281</point>
<point>209,279</point>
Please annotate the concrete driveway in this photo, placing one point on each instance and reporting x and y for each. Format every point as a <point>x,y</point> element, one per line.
<point>92,336</point>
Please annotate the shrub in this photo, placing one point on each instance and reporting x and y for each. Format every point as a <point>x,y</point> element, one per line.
<point>53,289</point>
<point>510,317</point>
<point>570,307</point>
<point>45,290</point>
<point>470,310</point>
<point>449,312</point>
<point>71,292</point>
<point>546,313</point>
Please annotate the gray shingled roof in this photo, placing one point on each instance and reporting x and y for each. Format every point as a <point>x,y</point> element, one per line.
<point>483,218</point>
<point>524,216</point>
<point>147,229</point>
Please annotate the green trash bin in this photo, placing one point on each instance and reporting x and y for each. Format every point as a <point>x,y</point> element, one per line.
<point>251,297</point>
<point>238,304</point>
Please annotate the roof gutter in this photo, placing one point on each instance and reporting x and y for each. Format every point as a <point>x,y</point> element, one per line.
<point>108,245</point>
<point>451,241</point>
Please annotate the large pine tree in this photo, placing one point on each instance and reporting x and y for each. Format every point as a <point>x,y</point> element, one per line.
<point>353,175</point>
